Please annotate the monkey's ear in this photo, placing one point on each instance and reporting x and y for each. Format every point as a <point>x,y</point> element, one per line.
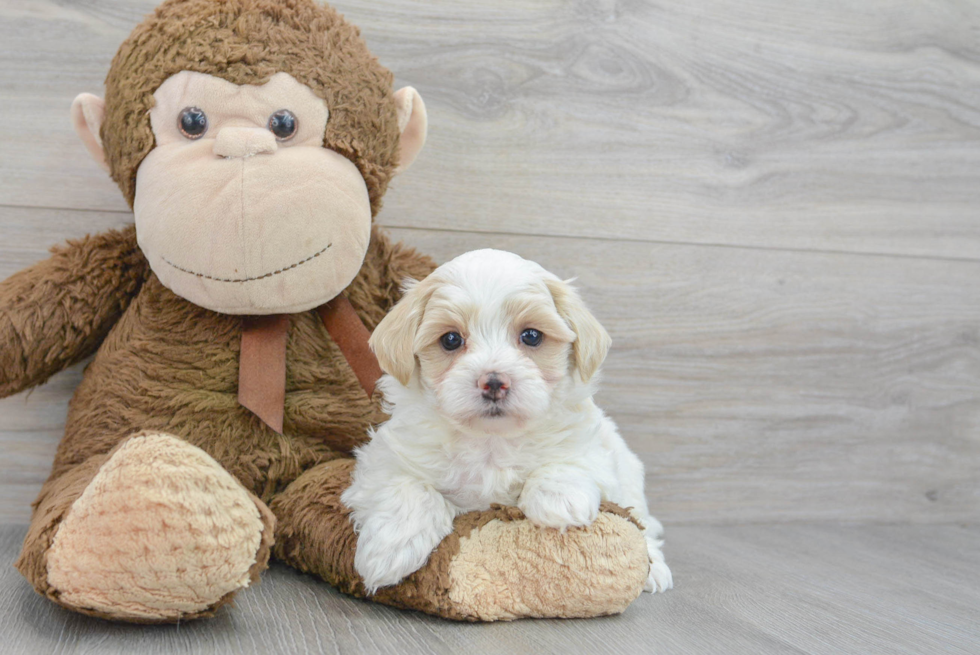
<point>393,341</point>
<point>87,114</point>
<point>591,339</point>
<point>412,123</point>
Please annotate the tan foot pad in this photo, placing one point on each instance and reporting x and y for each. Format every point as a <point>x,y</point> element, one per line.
<point>161,532</point>
<point>510,569</point>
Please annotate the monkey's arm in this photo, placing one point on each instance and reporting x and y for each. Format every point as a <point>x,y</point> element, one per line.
<point>58,311</point>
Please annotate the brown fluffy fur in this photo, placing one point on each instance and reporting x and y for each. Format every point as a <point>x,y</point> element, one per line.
<point>170,366</point>
<point>57,312</point>
<point>246,42</point>
<point>166,365</point>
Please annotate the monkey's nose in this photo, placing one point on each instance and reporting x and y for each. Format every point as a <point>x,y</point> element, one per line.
<point>244,142</point>
<point>494,385</point>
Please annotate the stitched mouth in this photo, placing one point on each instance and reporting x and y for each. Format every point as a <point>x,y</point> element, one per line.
<point>247,279</point>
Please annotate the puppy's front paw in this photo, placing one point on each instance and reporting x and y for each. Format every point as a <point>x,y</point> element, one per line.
<point>557,505</point>
<point>660,578</point>
<point>386,555</point>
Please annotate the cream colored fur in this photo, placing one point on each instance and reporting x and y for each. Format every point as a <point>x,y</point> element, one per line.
<point>451,448</point>
<point>87,115</point>
<point>413,123</point>
<point>161,531</point>
<point>238,223</point>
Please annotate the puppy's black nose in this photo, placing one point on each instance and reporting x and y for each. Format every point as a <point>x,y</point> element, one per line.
<point>494,385</point>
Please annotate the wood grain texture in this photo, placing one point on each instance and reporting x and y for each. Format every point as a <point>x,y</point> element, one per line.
<point>746,590</point>
<point>820,126</point>
<point>755,385</point>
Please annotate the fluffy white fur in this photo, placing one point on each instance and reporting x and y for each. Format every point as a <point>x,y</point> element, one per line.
<point>449,448</point>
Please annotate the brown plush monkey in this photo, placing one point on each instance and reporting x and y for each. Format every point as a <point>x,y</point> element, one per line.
<point>254,140</point>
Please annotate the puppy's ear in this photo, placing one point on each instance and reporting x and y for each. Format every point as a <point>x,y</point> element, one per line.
<point>591,339</point>
<point>393,341</point>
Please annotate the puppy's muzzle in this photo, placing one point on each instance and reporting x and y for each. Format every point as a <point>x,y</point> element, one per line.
<point>494,385</point>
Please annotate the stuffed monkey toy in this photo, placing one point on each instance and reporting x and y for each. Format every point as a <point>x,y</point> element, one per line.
<point>254,140</point>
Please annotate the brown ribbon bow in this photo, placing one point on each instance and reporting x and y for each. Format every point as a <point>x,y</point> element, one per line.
<point>262,365</point>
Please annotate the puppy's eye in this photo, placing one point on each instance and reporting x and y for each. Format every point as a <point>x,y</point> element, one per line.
<point>531,337</point>
<point>451,340</point>
<point>192,122</point>
<point>283,124</point>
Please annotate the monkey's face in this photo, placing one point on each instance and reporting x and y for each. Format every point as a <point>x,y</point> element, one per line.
<point>239,207</point>
<point>254,141</point>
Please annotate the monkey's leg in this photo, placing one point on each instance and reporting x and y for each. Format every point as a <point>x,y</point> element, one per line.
<point>495,565</point>
<point>153,531</point>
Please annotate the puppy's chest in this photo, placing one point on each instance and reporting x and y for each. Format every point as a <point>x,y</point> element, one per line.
<point>479,477</point>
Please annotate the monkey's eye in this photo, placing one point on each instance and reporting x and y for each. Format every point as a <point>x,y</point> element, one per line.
<point>283,124</point>
<point>451,340</point>
<point>192,122</point>
<point>531,337</point>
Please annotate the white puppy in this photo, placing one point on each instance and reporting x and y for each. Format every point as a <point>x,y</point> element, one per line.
<point>490,362</point>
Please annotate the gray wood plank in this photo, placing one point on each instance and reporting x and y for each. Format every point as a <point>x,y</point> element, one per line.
<point>749,589</point>
<point>782,386</point>
<point>820,126</point>
<point>756,385</point>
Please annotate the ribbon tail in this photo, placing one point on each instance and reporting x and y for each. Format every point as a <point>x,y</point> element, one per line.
<point>351,336</point>
<point>262,367</point>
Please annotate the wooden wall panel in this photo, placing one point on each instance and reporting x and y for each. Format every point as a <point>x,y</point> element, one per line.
<point>756,385</point>
<point>817,126</point>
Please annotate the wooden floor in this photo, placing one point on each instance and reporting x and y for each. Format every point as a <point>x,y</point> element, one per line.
<point>749,589</point>
<point>773,206</point>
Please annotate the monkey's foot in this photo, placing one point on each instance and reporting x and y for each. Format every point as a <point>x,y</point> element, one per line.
<point>495,565</point>
<point>161,533</point>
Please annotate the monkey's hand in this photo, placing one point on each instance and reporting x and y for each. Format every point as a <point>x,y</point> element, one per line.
<point>58,311</point>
